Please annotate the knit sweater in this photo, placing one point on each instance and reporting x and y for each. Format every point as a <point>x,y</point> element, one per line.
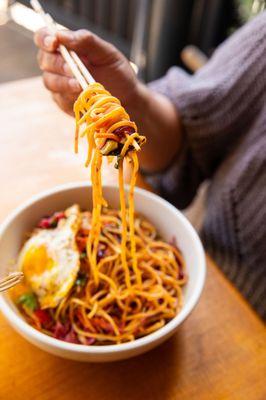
<point>223,112</point>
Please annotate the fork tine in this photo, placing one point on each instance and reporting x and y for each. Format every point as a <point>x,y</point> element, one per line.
<point>12,276</point>
<point>11,280</point>
<point>8,286</point>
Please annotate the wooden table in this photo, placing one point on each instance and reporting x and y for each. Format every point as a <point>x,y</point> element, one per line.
<point>218,353</point>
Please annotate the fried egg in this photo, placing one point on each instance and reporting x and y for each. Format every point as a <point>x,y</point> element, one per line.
<point>50,259</point>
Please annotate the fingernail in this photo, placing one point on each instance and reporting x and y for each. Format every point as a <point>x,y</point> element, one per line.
<point>73,83</point>
<point>48,41</point>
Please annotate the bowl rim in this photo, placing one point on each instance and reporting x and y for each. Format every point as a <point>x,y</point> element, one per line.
<point>22,326</point>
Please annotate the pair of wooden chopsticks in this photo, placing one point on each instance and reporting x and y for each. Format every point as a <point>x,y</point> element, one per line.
<point>11,280</point>
<point>77,67</point>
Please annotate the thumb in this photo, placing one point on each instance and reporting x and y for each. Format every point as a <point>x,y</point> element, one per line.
<point>85,43</point>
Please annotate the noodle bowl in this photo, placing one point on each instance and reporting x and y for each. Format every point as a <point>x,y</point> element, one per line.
<point>112,310</point>
<point>170,224</point>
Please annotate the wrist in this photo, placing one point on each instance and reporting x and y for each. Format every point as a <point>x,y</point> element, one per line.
<point>137,102</point>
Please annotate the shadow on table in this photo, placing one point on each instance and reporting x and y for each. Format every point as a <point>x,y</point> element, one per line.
<point>150,376</point>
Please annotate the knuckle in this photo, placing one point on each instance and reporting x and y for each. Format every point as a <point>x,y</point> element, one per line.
<point>112,48</point>
<point>84,35</point>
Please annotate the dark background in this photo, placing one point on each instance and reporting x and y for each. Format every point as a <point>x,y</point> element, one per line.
<point>151,33</point>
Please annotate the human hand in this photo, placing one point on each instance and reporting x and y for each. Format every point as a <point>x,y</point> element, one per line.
<point>107,65</point>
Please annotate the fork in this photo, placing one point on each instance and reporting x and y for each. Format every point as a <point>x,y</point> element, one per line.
<point>11,280</point>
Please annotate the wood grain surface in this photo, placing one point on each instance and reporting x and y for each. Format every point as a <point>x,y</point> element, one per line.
<point>219,351</point>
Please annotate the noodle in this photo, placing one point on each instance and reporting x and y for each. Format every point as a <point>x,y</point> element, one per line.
<point>131,279</point>
<point>108,127</point>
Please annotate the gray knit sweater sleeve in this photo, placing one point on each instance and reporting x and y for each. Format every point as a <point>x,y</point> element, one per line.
<point>216,105</point>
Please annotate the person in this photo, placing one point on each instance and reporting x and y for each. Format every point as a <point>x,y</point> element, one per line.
<point>210,125</point>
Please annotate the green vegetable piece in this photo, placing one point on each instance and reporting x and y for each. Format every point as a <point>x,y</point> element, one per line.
<point>83,255</point>
<point>109,146</point>
<point>28,300</point>
<point>54,224</point>
<point>81,281</point>
<point>118,160</point>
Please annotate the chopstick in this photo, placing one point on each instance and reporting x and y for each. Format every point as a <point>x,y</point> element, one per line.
<point>10,280</point>
<point>75,64</point>
<point>78,69</point>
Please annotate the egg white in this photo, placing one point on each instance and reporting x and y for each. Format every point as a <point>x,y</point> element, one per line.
<point>54,259</point>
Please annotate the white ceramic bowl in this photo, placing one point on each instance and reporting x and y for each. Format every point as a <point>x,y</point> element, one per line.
<point>169,222</point>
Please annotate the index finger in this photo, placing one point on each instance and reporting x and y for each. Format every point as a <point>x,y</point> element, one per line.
<point>45,40</point>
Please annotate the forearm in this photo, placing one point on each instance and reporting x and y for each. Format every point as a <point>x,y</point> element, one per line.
<point>157,119</point>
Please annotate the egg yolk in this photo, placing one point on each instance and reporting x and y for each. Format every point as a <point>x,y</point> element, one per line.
<point>36,261</point>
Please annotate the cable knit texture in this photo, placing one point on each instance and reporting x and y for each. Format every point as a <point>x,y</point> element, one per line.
<point>223,111</point>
